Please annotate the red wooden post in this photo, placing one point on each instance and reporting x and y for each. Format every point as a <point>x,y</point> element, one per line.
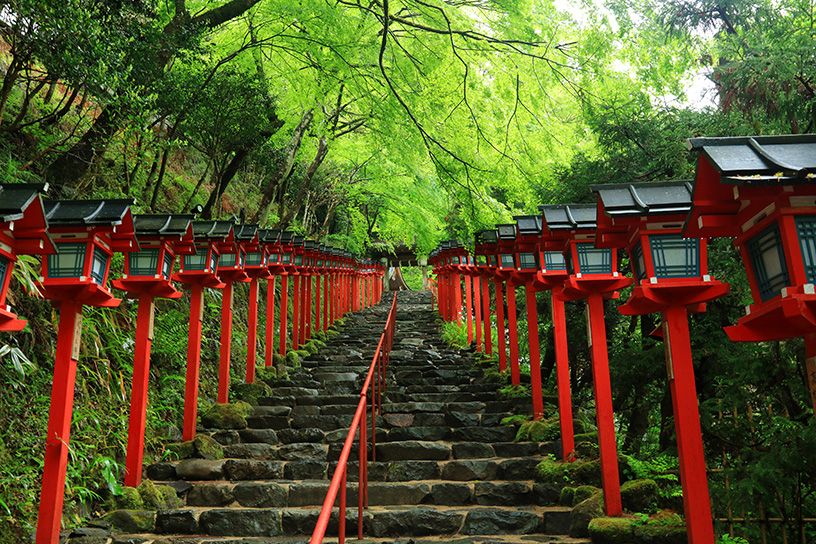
<point>59,424</point>
<point>563,376</point>
<point>502,343</point>
<point>269,346</point>
<point>193,362</point>
<point>535,351</point>
<point>317,302</point>
<point>486,320</point>
<point>693,477</point>
<point>326,299</point>
<point>477,310</point>
<point>284,314</point>
<point>252,332</point>
<point>512,327</point>
<point>296,312</point>
<point>226,340</point>
<point>603,406</point>
<point>307,308</point>
<point>457,305</point>
<point>469,309</point>
<point>138,396</point>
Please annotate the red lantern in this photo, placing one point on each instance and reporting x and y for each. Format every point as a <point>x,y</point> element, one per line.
<point>86,233</point>
<point>148,275</point>
<point>593,276</point>
<point>671,275</point>
<point>200,270</point>
<point>760,191</point>
<point>22,232</point>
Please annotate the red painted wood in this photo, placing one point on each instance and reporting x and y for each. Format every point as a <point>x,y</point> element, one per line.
<point>193,362</point>
<point>226,341</point>
<point>296,312</point>
<point>693,477</point>
<point>317,302</point>
<point>457,305</point>
<point>252,331</point>
<point>284,314</point>
<point>512,327</point>
<point>535,351</point>
<point>269,345</point>
<point>59,425</point>
<point>486,319</point>
<point>477,310</point>
<point>500,330</point>
<point>563,377</point>
<point>326,298</point>
<point>468,310</point>
<point>138,393</point>
<point>308,303</point>
<point>603,406</point>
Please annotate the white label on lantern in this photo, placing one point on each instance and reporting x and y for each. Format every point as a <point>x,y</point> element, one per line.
<point>808,289</point>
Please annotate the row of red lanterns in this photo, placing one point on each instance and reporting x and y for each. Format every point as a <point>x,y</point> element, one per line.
<point>757,190</point>
<point>78,239</point>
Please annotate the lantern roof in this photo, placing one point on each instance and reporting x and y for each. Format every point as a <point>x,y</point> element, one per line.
<point>570,216</point>
<point>298,240</point>
<point>214,230</point>
<point>286,237</point>
<point>310,244</point>
<point>246,233</point>
<point>487,236</point>
<point>70,213</point>
<point>15,199</point>
<point>635,199</point>
<point>163,224</point>
<point>21,204</point>
<point>269,236</point>
<point>506,231</point>
<point>528,224</point>
<point>760,160</point>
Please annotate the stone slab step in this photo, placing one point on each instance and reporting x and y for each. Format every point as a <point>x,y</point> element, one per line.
<point>379,521</point>
<point>472,539</point>
<point>312,492</point>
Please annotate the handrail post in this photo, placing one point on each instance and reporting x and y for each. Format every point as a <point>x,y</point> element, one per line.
<point>341,530</point>
<point>362,477</point>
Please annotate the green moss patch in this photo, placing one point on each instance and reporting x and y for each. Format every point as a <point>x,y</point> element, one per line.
<point>227,416</point>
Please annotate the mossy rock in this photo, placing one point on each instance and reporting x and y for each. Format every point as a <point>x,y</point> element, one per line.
<point>543,430</point>
<point>251,392</point>
<point>320,335</point>
<point>227,416</point>
<point>129,499</point>
<point>311,347</point>
<point>587,449</point>
<point>293,359</point>
<point>162,497</point>
<point>331,333</point>
<point>583,513</point>
<point>640,496</point>
<point>318,342</point>
<point>278,360</point>
<point>207,448</point>
<point>586,437</point>
<point>512,421</point>
<point>611,531</point>
<point>660,534</point>
<point>182,450</point>
<point>132,521</point>
<point>302,353</point>
<point>267,374</point>
<point>567,496</point>
<point>586,472</point>
<point>582,493</point>
<point>553,472</point>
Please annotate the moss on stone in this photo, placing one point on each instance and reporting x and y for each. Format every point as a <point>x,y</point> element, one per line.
<point>267,374</point>
<point>278,360</point>
<point>586,437</point>
<point>227,416</point>
<point>251,392</point>
<point>543,430</point>
<point>567,496</point>
<point>586,472</point>
<point>583,492</point>
<point>660,534</point>
<point>640,496</point>
<point>182,450</point>
<point>611,531</point>
<point>551,471</point>
<point>292,359</point>
<point>302,353</point>
<point>129,499</point>
<point>132,521</point>
<point>207,448</point>
<point>583,513</point>
<point>162,497</point>
<point>511,421</point>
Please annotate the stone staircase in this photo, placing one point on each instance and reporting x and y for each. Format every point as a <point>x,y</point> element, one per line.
<point>446,470</point>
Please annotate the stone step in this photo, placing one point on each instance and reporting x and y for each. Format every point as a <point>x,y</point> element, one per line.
<point>470,539</point>
<point>312,492</point>
<point>396,469</point>
<point>378,521</point>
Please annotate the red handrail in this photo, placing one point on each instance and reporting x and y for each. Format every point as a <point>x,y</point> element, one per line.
<point>378,368</point>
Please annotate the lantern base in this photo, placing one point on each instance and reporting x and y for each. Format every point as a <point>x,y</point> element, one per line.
<point>692,294</point>
<point>545,281</point>
<point>257,272</point>
<point>778,319</point>
<point>9,322</point>
<point>198,277</point>
<point>84,292</point>
<point>136,287</point>
<point>232,275</point>
<point>576,288</point>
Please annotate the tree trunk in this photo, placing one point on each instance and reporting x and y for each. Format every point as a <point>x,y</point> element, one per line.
<point>320,155</point>
<point>229,173</point>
